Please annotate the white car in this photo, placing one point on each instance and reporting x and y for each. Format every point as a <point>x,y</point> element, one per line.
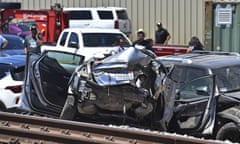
<point>11,80</point>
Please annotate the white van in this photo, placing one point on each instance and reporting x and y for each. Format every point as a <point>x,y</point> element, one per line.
<point>100,17</point>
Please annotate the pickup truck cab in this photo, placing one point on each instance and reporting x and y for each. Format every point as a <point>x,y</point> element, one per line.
<point>88,41</point>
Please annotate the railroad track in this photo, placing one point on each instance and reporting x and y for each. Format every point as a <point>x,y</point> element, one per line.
<point>24,129</point>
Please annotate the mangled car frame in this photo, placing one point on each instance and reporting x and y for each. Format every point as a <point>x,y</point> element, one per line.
<point>183,93</point>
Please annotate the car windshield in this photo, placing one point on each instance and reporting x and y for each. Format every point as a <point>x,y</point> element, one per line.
<point>14,43</point>
<point>228,78</point>
<point>103,40</point>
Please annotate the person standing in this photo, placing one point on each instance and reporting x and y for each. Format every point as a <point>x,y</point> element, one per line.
<point>140,37</point>
<point>119,46</point>
<point>195,44</point>
<point>33,41</point>
<point>162,36</point>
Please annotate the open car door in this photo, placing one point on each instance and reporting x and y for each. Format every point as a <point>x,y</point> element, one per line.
<point>46,84</point>
<point>194,108</point>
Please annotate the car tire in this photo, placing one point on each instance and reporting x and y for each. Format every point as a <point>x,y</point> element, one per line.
<point>2,107</point>
<point>69,109</point>
<point>229,131</point>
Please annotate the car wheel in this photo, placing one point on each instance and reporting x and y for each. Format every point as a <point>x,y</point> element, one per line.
<point>229,131</point>
<point>2,107</point>
<point>69,109</point>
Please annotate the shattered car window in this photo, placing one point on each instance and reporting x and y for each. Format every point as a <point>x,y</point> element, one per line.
<point>228,78</point>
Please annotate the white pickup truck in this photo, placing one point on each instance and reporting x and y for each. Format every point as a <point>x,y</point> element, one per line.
<point>88,41</point>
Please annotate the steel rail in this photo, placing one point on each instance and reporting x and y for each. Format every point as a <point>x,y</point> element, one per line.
<point>62,131</point>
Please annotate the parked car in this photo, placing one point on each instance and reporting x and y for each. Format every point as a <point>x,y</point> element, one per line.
<point>100,17</point>
<point>195,93</point>
<point>11,80</point>
<point>15,45</point>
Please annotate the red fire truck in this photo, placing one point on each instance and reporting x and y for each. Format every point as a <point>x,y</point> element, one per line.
<point>50,22</point>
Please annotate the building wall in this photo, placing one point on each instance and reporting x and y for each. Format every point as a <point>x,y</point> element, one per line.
<point>182,18</point>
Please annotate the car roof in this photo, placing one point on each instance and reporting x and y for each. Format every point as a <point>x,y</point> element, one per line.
<point>93,30</point>
<point>210,60</point>
<point>15,60</point>
<point>94,8</point>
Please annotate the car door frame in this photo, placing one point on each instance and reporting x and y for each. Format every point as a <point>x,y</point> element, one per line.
<point>207,115</point>
<point>26,99</point>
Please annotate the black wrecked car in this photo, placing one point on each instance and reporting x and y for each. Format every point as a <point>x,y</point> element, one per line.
<point>193,105</point>
<point>185,93</point>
